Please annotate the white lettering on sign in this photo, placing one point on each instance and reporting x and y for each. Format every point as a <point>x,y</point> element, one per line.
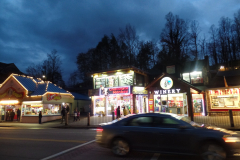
<point>169,91</point>
<point>156,92</point>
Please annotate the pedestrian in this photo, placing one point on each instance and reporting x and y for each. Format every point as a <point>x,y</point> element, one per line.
<point>63,114</point>
<point>75,115</point>
<point>7,115</point>
<point>125,111</point>
<point>40,117</point>
<point>66,115</point>
<point>18,114</point>
<point>118,112</point>
<point>11,115</point>
<point>78,115</point>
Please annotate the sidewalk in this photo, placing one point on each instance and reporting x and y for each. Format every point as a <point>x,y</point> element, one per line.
<point>82,124</point>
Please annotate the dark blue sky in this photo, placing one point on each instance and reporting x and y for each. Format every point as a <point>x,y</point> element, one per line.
<point>29,29</point>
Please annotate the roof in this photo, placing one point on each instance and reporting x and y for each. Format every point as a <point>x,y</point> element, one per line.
<point>78,96</point>
<point>180,80</point>
<point>38,86</point>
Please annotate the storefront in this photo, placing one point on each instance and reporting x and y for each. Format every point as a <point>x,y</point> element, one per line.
<point>110,98</point>
<point>223,99</point>
<point>31,96</point>
<point>171,95</point>
<point>140,97</point>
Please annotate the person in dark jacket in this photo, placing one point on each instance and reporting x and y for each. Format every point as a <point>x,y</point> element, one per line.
<point>7,115</point>
<point>40,117</point>
<point>18,114</point>
<point>12,114</point>
<point>63,114</point>
<point>118,112</point>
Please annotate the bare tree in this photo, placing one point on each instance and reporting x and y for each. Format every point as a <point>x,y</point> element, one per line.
<point>194,32</point>
<point>129,37</point>
<point>175,35</point>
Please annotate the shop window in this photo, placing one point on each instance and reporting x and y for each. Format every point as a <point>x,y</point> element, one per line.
<point>112,81</point>
<point>196,77</point>
<point>225,99</point>
<point>51,109</point>
<point>100,82</point>
<point>32,110</point>
<point>186,77</point>
<point>126,80</point>
<point>139,80</point>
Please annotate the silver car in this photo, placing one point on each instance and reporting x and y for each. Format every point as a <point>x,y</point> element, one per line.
<point>164,133</point>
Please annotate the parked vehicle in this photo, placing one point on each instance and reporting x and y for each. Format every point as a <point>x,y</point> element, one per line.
<point>165,133</point>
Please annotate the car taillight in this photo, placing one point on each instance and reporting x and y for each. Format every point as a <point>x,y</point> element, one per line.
<point>99,129</point>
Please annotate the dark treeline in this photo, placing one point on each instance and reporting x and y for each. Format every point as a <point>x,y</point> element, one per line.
<point>180,40</point>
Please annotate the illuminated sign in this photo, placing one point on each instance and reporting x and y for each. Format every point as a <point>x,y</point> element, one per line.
<point>168,91</point>
<point>53,97</point>
<point>166,83</point>
<point>139,90</point>
<point>150,104</point>
<point>11,93</point>
<point>115,90</point>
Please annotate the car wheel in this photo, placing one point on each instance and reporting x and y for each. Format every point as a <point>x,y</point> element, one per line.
<point>120,147</point>
<point>213,151</point>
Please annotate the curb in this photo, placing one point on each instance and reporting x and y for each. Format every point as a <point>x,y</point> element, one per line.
<point>76,127</point>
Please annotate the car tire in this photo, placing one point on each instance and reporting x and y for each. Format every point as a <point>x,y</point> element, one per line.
<point>213,151</point>
<point>120,147</point>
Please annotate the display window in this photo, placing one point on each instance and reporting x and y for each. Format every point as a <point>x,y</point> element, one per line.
<point>225,99</point>
<point>170,103</point>
<point>141,104</point>
<point>198,104</point>
<point>196,77</point>
<point>47,109</point>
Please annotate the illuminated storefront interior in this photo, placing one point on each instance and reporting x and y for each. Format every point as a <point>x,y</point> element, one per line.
<point>193,77</point>
<point>224,99</point>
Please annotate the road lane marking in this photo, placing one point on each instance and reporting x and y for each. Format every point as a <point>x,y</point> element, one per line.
<point>49,140</point>
<point>155,156</point>
<point>70,149</point>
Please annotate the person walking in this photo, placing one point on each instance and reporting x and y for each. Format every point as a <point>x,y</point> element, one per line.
<point>63,114</point>
<point>118,112</point>
<point>66,115</point>
<point>18,114</point>
<point>40,117</point>
<point>7,115</point>
<point>78,115</point>
<point>12,115</point>
<point>75,115</point>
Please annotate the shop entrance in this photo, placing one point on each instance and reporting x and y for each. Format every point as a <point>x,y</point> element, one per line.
<point>141,104</point>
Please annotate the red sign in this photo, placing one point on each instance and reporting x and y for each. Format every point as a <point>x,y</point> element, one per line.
<point>150,105</point>
<point>118,90</point>
<point>53,97</point>
<point>12,92</point>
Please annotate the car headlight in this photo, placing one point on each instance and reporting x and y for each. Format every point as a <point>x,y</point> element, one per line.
<point>231,139</point>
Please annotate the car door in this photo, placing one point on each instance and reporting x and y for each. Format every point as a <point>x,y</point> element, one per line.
<point>141,133</point>
<point>172,138</point>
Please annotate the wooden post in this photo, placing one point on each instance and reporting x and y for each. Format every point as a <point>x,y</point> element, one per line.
<point>190,107</point>
<point>88,119</point>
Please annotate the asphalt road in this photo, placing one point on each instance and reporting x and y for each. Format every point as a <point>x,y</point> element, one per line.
<point>30,144</point>
<point>36,144</point>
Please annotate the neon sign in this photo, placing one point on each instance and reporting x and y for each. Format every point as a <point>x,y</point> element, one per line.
<point>115,90</point>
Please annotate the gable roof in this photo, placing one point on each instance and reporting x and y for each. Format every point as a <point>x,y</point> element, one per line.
<point>37,86</point>
<point>180,80</point>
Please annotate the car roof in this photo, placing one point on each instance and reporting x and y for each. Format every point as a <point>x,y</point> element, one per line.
<point>151,114</point>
